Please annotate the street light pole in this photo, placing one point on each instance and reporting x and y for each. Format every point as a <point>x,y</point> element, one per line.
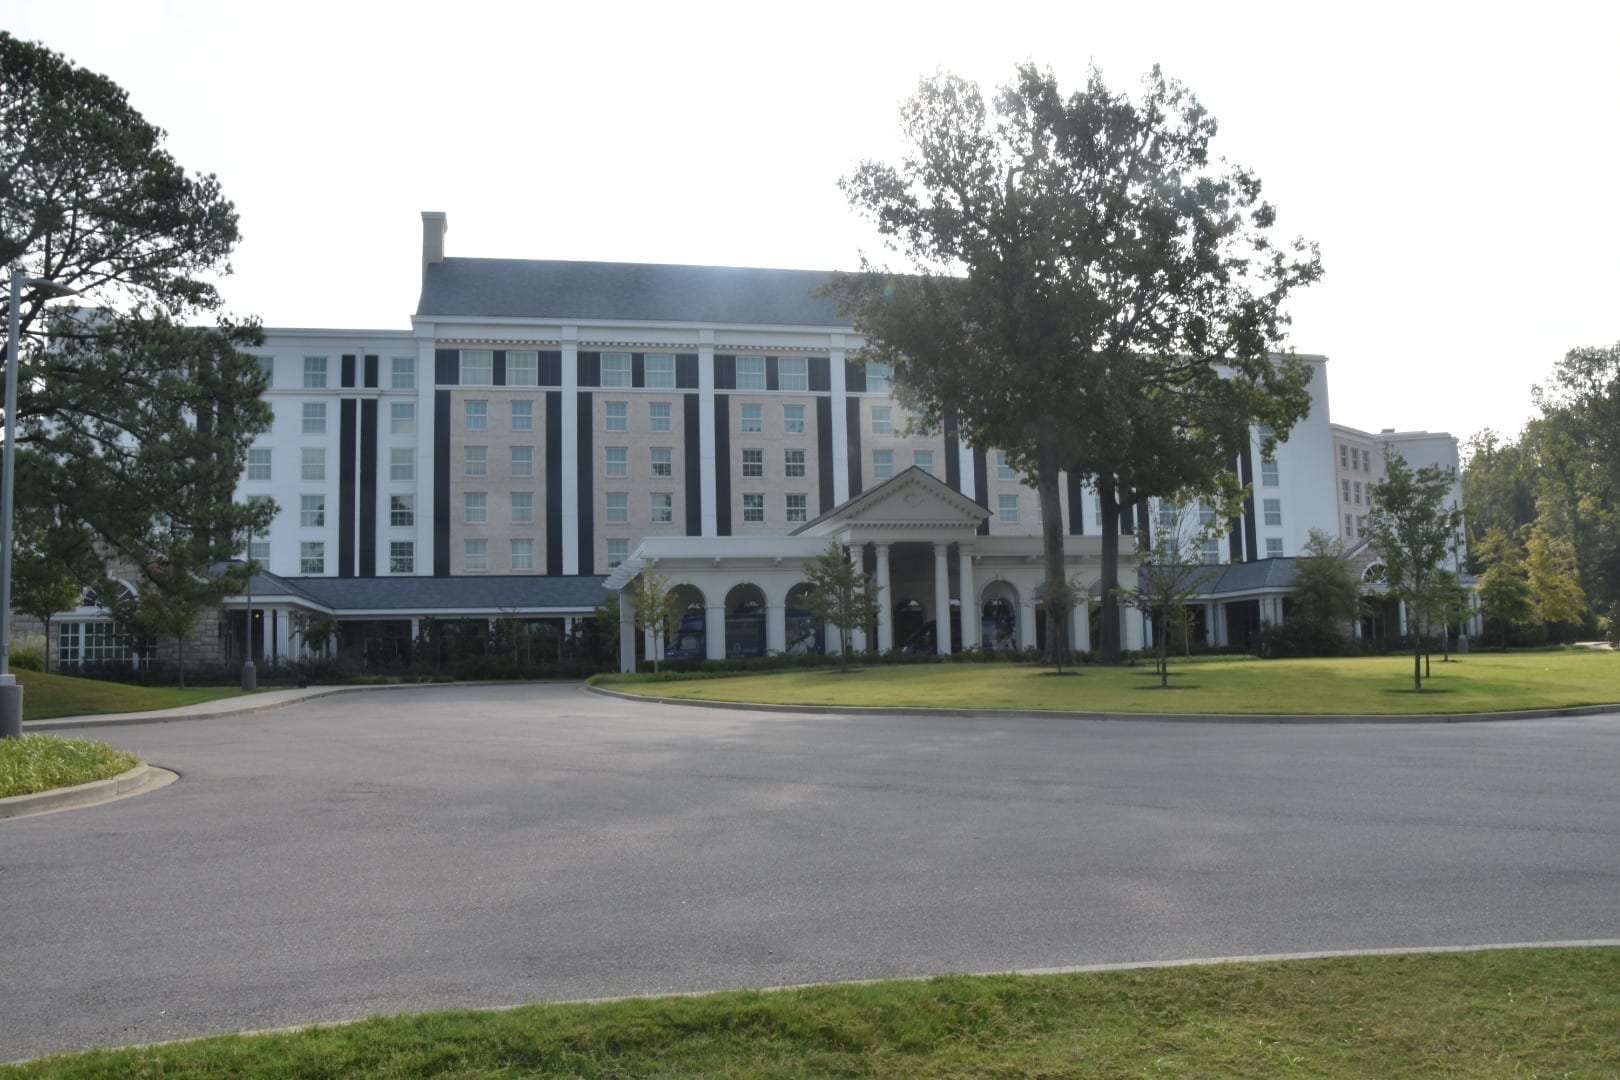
<point>11,692</point>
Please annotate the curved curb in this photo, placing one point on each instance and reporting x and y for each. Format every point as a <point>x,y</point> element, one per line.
<point>1168,718</point>
<point>142,778</point>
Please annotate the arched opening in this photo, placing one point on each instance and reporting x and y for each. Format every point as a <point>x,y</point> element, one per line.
<point>689,642</point>
<point>908,623</point>
<point>998,617</point>
<point>745,622</point>
<point>805,632</point>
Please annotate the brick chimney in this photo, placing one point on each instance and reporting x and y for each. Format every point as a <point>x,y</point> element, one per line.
<point>434,226</point>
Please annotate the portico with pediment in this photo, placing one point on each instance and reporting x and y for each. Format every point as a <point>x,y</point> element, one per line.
<point>945,585</point>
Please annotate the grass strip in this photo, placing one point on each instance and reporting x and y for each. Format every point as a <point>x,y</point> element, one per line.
<point>1553,1012</point>
<point>42,762</point>
<point>1363,685</point>
<point>47,695</point>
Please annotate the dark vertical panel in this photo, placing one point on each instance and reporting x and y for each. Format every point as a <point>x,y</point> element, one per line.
<point>497,368</point>
<point>953,460</point>
<point>368,487</point>
<point>346,483</point>
<point>1142,523</point>
<point>773,377</point>
<point>446,367</point>
<point>441,483</point>
<point>725,373</point>
<point>638,370</point>
<point>981,485</point>
<point>824,455</point>
<point>1125,527</point>
<point>554,460</point>
<point>1246,478</point>
<point>590,369</point>
<point>820,374</point>
<point>852,439</point>
<point>1077,506</point>
<point>722,463</point>
<point>586,508</point>
<point>348,371</point>
<point>550,369</point>
<point>371,371</point>
<point>854,377</point>
<point>686,371</point>
<point>691,409</point>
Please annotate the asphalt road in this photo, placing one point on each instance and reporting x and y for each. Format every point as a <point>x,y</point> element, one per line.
<point>433,848</point>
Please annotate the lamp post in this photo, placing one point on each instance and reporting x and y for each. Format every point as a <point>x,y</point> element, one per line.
<point>11,692</point>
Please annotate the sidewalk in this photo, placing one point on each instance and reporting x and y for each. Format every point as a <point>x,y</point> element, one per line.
<point>210,710</point>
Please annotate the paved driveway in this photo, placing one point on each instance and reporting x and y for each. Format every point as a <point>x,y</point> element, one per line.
<point>441,847</point>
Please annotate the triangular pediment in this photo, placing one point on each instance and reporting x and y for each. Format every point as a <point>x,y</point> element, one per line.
<point>915,499</point>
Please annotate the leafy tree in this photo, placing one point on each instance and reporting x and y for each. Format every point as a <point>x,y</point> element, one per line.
<point>1171,570</point>
<point>1325,589</point>
<point>841,594</point>
<point>316,630</point>
<point>1504,587</point>
<point>1416,532</point>
<point>1498,490</point>
<point>1554,579</point>
<point>1446,604</point>
<point>1069,257</point>
<point>657,608</point>
<point>49,571</point>
<point>130,412</point>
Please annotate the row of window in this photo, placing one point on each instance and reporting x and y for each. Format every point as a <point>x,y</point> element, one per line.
<point>1355,527</point>
<point>661,508</point>
<point>475,507</point>
<point>402,373</point>
<point>1347,489</point>
<point>1355,458</point>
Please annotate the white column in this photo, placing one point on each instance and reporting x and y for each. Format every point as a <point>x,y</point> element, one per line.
<point>426,378</point>
<point>1209,623</point>
<point>840,434</point>
<point>1131,625</point>
<point>714,631</point>
<point>775,629</point>
<point>942,602</point>
<point>706,495</point>
<point>627,632</point>
<point>970,483</point>
<point>1401,607</point>
<point>1080,624</point>
<point>857,634</point>
<point>969,596</point>
<point>649,643</point>
<point>885,629</point>
<point>569,340</point>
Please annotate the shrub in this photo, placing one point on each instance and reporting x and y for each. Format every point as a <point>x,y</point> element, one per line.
<point>28,652</point>
<point>1302,637</point>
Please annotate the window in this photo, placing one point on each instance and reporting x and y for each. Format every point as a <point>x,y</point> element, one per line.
<point>1361,527</point>
<point>1096,510</point>
<point>1358,493</point>
<point>1355,459</point>
<point>258,463</point>
<point>1273,511</point>
<point>312,511</point>
<point>314,462</point>
<point>1366,461</point>
<point>1206,514</point>
<point>1168,512</point>
<point>1209,550</point>
<point>793,419</point>
<point>618,507</point>
<point>522,507</point>
<point>754,508</point>
<point>314,373</point>
<point>753,463</point>
<point>476,463</point>
<point>1264,432</point>
<point>616,369</point>
<point>523,415</point>
<point>1344,456</point>
<point>522,368</point>
<point>523,554</point>
<point>403,374</point>
<point>750,373</point>
<point>402,463</point>
<point>658,416</point>
<point>793,373</point>
<point>753,418</point>
<point>663,508</point>
<point>477,367</point>
<point>924,460</point>
<point>617,551</point>
<point>477,415</point>
<point>663,462</point>
<point>798,509</point>
<point>92,643</point>
<point>267,368</point>
<point>1004,471</point>
<point>618,460</point>
<point>312,557</point>
<point>522,461</point>
<point>1009,509</point>
<point>660,371</point>
<point>1274,548</point>
<point>882,464</point>
<point>878,377</point>
<point>1349,525</point>
<point>402,418</point>
<point>793,464</point>
<point>1268,474</point>
<point>314,418</point>
<point>475,554</point>
<point>475,507</point>
<point>618,416</point>
<point>401,557</point>
<point>402,511</point>
<point>881,424</point>
<point>1345,486</point>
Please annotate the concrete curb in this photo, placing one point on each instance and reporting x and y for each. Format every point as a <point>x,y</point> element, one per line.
<point>1169,718</point>
<point>97,791</point>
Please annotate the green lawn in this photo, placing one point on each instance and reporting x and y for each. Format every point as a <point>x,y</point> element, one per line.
<point>1479,682</point>
<point>1511,1013</point>
<point>46,695</point>
<point>42,762</point>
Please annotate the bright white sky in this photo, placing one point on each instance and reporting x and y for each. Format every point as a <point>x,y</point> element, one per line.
<point>1457,165</point>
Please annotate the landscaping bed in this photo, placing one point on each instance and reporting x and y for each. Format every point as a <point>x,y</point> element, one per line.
<point>35,763</point>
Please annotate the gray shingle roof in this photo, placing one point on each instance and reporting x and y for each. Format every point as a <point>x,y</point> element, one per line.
<point>636,292</point>
<point>424,595</point>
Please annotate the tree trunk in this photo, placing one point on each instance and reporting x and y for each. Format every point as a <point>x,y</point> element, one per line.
<point>1164,655</point>
<point>1417,651</point>
<point>180,658</point>
<point>1108,651</point>
<point>1046,482</point>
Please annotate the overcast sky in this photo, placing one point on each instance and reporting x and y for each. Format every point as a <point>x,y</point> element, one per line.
<point>1457,164</point>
